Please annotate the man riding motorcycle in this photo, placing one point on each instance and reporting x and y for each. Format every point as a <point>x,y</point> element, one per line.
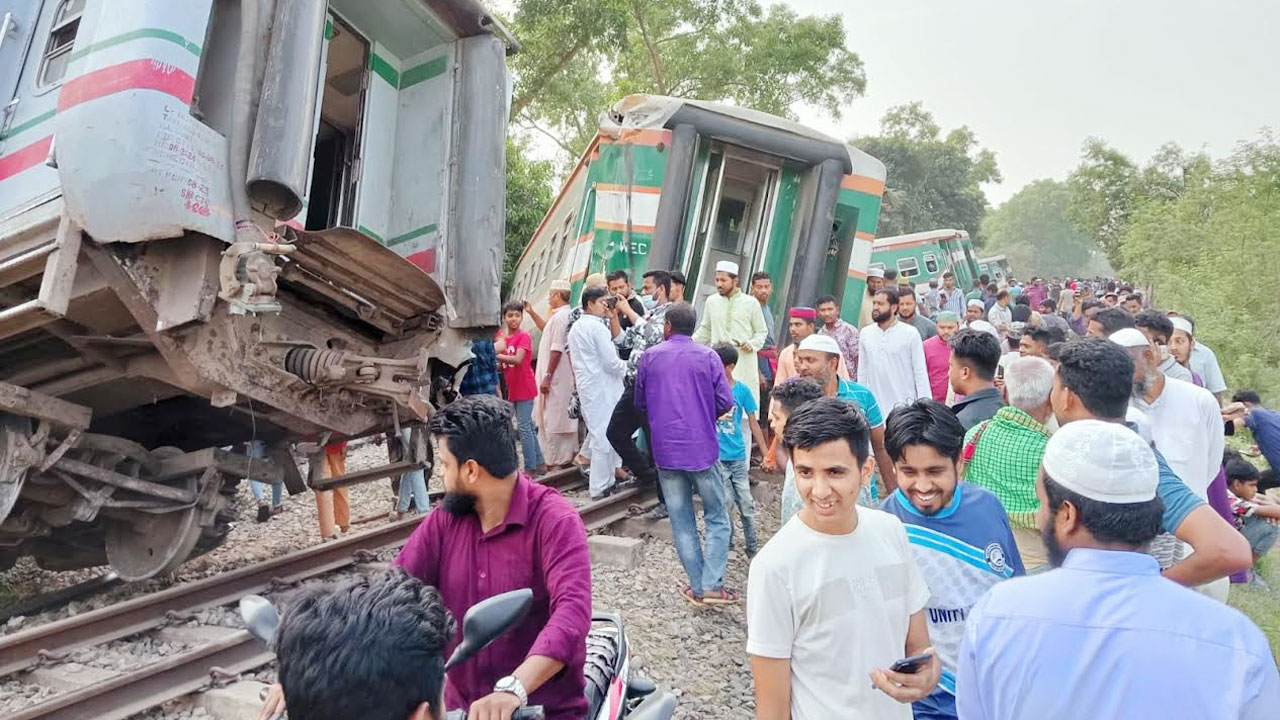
<point>500,531</point>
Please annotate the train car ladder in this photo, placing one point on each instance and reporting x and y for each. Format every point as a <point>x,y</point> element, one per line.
<point>54,261</point>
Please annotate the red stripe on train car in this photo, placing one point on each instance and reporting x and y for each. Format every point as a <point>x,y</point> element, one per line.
<point>25,158</point>
<point>425,259</point>
<point>142,74</point>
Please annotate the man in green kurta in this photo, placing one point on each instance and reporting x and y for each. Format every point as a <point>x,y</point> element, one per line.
<point>734,317</point>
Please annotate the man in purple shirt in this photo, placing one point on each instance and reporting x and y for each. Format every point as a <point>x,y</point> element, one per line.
<point>496,531</point>
<point>682,386</point>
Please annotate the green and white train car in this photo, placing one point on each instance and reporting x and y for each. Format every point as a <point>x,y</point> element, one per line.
<point>682,184</point>
<point>925,256</point>
<point>995,267</point>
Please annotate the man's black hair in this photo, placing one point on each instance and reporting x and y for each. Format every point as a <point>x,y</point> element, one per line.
<point>977,349</point>
<point>1001,294</point>
<point>1100,373</point>
<point>992,288</point>
<point>478,427</point>
<point>1267,480</point>
<point>923,422</point>
<point>825,420</point>
<point>948,274</point>
<point>1054,351</point>
<point>761,275</point>
<point>617,275</point>
<point>889,293</point>
<point>1247,396</point>
<point>592,293</point>
<point>1022,300</point>
<point>1156,321</point>
<point>1132,524</point>
<point>906,291</point>
<point>984,279</point>
<point>682,318</point>
<point>678,278</point>
<point>660,278</point>
<point>1239,469</point>
<point>513,306</point>
<point>792,394</point>
<point>1042,335</point>
<point>1133,296</point>
<point>890,274</point>
<point>370,648</point>
<point>1089,305</point>
<point>826,299</point>
<point>1113,319</point>
<point>1049,303</point>
<point>728,353</point>
<point>1020,313</point>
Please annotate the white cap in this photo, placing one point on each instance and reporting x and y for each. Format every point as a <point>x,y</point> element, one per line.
<point>725,266</point>
<point>976,303</point>
<point>875,272</point>
<point>1102,461</point>
<point>561,285</point>
<point>1183,324</point>
<point>821,343</point>
<point>1129,338</point>
<point>986,327</point>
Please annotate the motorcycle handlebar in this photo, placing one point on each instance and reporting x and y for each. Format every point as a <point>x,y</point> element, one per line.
<point>528,712</point>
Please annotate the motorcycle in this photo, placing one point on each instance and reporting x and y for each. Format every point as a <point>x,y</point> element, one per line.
<point>612,693</point>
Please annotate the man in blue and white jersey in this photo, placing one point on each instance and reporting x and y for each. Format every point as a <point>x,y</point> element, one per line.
<point>959,533</point>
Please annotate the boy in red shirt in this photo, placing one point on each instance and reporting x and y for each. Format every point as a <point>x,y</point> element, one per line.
<point>515,358</point>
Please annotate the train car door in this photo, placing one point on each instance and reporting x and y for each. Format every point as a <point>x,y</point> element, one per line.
<point>17,26</point>
<point>335,168</point>
<point>736,206</point>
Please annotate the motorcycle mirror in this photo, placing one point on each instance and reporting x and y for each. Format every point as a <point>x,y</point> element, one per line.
<point>487,620</point>
<point>260,617</point>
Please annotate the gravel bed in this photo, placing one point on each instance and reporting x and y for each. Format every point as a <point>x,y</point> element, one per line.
<point>248,542</point>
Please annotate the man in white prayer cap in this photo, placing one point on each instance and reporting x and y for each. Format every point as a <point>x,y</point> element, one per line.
<point>875,281</point>
<point>1104,632</point>
<point>732,316</point>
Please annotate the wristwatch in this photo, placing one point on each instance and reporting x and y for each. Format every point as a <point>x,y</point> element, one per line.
<point>511,684</point>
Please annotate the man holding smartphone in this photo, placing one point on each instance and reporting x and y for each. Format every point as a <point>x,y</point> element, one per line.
<point>823,634</point>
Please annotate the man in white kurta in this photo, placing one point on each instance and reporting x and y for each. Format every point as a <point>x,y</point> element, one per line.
<point>557,432</point>
<point>891,356</point>
<point>599,372</point>
<point>734,317</point>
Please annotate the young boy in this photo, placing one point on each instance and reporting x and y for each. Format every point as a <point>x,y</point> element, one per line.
<point>515,358</point>
<point>1255,515</point>
<point>733,447</point>
<point>818,629</point>
<point>959,533</point>
<point>784,400</point>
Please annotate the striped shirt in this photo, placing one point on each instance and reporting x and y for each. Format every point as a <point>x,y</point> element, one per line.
<point>1006,460</point>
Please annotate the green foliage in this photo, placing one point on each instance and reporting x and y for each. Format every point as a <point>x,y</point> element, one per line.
<point>1206,238</point>
<point>581,55</point>
<point>528,199</point>
<point>934,180</point>
<point>1033,231</point>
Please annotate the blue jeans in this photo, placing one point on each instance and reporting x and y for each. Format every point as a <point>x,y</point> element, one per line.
<point>258,449</point>
<point>528,435</point>
<point>733,473</point>
<point>704,568</point>
<point>413,484</point>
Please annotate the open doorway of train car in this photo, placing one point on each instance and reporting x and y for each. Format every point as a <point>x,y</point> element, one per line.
<point>734,211</point>
<point>331,199</point>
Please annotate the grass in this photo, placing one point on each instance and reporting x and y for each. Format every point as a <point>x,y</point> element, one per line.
<point>1261,605</point>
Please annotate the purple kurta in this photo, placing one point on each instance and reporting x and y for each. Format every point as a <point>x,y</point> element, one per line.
<point>542,545</point>
<point>682,386</point>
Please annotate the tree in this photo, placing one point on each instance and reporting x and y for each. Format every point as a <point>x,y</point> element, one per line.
<point>1033,231</point>
<point>581,55</point>
<point>528,199</point>
<point>934,181</point>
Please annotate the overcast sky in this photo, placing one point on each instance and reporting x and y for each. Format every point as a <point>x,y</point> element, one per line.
<point>1035,78</point>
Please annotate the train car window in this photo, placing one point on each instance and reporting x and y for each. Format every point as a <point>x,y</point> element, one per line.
<point>567,241</point>
<point>62,37</point>
<point>930,264</point>
<point>908,267</point>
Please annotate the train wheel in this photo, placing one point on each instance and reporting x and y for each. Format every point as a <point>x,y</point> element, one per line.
<point>14,432</point>
<point>141,545</point>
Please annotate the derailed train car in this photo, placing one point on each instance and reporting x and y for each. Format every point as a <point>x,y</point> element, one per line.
<point>228,220</point>
<point>681,184</point>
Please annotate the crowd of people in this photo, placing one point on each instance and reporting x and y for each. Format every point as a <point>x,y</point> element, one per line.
<point>1014,501</point>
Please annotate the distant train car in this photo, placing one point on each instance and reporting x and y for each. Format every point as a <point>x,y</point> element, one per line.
<point>682,184</point>
<point>924,256</point>
<point>995,267</point>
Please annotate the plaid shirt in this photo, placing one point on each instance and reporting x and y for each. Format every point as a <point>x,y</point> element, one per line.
<point>846,336</point>
<point>482,375</point>
<point>642,336</point>
<point>1006,460</point>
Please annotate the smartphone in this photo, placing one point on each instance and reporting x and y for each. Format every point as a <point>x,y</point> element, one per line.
<point>911,665</point>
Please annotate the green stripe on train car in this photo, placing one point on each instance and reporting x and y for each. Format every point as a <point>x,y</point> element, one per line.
<point>383,69</point>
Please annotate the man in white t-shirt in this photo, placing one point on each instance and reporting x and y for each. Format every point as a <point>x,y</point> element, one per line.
<point>823,632</point>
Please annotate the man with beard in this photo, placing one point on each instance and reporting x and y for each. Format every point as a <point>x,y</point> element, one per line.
<point>1158,328</point>
<point>891,355</point>
<point>973,312</point>
<point>909,313</point>
<point>950,297</point>
<point>1103,632</point>
<point>937,354</point>
<point>500,531</point>
<point>733,317</point>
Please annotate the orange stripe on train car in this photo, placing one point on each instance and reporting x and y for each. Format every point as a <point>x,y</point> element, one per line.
<point>864,184</point>
<point>640,229</point>
<point>864,236</point>
<point>614,187</point>
<point>857,274</point>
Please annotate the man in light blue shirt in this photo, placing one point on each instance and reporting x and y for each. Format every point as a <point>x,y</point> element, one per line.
<point>1104,636</point>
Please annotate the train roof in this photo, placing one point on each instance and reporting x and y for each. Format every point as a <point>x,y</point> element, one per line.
<point>992,258</point>
<point>751,128</point>
<point>918,238</point>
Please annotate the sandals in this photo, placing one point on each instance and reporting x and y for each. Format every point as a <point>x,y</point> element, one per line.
<point>723,596</point>
<point>689,597</point>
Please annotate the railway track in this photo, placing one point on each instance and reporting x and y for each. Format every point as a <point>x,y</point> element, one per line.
<point>231,651</point>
